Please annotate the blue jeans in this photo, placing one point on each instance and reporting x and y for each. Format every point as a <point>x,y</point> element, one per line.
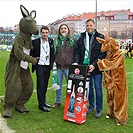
<point>96,82</point>
<point>60,79</point>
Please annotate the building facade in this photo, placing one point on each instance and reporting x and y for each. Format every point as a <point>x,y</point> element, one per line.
<point>118,23</point>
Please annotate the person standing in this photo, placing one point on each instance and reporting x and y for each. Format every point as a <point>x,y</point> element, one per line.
<point>129,49</point>
<point>122,47</point>
<point>63,49</point>
<point>87,52</point>
<point>43,48</point>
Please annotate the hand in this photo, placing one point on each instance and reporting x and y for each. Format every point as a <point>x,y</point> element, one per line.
<point>91,68</point>
<point>75,64</point>
<point>35,60</point>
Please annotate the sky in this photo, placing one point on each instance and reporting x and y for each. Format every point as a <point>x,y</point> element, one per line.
<point>51,10</point>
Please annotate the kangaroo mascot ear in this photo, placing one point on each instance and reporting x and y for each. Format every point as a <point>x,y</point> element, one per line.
<point>33,14</point>
<point>24,11</point>
<point>100,40</point>
<point>107,38</point>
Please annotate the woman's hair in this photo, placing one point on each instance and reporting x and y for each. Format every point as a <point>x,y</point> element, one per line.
<point>69,32</point>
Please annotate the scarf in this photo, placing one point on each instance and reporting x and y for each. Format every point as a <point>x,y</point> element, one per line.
<point>62,40</point>
<point>87,49</point>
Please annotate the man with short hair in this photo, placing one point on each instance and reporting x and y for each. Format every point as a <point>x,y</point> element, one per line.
<point>87,52</point>
<point>43,48</point>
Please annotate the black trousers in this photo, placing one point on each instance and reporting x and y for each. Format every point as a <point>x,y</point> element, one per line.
<point>42,75</point>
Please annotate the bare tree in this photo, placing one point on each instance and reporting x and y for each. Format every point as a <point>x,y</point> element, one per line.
<point>53,30</point>
<point>123,35</point>
<point>114,34</point>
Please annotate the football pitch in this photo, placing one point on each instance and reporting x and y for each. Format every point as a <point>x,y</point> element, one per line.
<point>37,121</point>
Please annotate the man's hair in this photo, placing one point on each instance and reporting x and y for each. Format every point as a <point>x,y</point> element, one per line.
<point>69,32</point>
<point>88,20</point>
<point>44,27</point>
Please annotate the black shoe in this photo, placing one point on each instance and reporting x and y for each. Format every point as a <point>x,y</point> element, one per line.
<point>47,105</point>
<point>43,108</point>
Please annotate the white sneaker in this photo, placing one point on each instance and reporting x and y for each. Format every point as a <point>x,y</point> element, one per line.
<point>107,117</point>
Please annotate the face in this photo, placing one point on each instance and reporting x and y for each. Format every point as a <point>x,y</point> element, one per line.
<point>44,34</point>
<point>90,26</point>
<point>64,30</point>
<point>105,47</point>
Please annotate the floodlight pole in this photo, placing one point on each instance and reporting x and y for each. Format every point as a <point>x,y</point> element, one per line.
<point>96,15</point>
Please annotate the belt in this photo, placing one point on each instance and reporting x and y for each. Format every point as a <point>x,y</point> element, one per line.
<point>44,65</point>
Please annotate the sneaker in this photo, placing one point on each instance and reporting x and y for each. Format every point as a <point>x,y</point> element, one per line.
<point>107,116</point>
<point>118,124</point>
<point>98,114</point>
<point>90,109</point>
<point>56,105</point>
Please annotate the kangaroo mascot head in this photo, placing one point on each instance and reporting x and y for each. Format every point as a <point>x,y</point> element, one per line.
<point>27,24</point>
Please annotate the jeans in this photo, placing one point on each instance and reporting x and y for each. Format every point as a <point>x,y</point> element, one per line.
<point>96,81</point>
<point>60,80</point>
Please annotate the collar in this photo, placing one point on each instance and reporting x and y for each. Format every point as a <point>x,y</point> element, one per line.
<point>43,41</point>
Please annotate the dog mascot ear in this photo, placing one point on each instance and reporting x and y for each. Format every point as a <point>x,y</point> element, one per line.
<point>18,80</point>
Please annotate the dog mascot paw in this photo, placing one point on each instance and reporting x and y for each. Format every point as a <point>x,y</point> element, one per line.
<point>18,80</point>
<point>114,80</point>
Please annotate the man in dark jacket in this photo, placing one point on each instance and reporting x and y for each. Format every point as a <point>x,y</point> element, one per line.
<point>87,52</point>
<point>43,48</point>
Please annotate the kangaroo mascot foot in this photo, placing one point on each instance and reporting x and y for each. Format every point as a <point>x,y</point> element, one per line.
<point>7,112</point>
<point>21,109</point>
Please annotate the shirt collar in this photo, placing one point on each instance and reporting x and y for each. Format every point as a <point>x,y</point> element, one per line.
<point>45,41</point>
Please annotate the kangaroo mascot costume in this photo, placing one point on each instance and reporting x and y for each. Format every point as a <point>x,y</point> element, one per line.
<point>18,80</point>
<point>114,80</point>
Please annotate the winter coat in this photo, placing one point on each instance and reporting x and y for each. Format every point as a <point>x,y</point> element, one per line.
<point>95,51</point>
<point>64,55</point>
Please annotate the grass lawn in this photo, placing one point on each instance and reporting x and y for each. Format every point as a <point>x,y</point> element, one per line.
<point>37,121</point>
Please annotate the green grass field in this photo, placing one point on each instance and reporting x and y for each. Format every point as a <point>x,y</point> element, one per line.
<point>37,121</point>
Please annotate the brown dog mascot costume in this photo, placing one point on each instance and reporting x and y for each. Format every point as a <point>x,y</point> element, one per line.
<point>114,80</point>
<point>18,80</point>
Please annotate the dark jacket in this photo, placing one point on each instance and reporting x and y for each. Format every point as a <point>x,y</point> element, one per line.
<point>95,51</point>
<point>35,52</point>
<point>64,55</point>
